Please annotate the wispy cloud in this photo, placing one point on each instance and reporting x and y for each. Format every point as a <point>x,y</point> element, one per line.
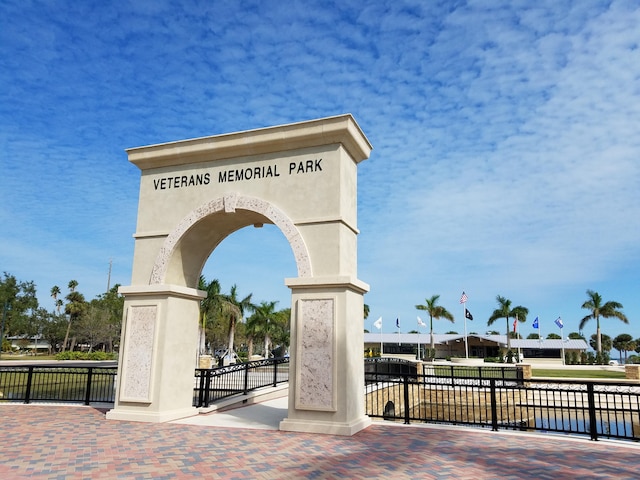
<point>505,136</point>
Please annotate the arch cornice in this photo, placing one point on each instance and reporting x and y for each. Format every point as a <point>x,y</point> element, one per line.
<point>341,129</point>
<point>229,204</point>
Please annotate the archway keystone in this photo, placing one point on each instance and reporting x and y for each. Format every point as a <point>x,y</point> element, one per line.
<point>193,194</point>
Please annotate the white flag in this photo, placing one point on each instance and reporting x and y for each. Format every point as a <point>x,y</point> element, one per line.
<point>378,323</point>
<point>421,323</point>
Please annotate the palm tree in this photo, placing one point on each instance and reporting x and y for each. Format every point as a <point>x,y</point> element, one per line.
<point>215,308</point>
<point>434,311</point>
<point>262,323</point>
<point>624,343</point>
<point>208,309</point>
<point>55,291</point>
<point>75,308</point>
<point>235,312</point>
<point>505,311</point>
<point>599,309</point>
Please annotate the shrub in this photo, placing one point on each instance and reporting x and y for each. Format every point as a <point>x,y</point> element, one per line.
<point>95,356</point>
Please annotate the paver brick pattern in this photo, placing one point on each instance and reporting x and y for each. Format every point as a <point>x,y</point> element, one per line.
<point>77,442</point>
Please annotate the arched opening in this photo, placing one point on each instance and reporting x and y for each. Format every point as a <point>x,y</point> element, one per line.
<point>186,249</point>
<point>254,260</point>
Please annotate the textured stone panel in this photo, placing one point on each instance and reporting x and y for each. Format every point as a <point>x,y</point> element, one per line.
<point>138,356</point>
<point>316,355</point>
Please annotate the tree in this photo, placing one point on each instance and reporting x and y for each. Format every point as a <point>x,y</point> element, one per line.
<point>554,336</point>
<point>236,310</point>
<point>53,331</point>
<point>210,309</point>
<point>605,343</point>
<point>55,293</point>
<point>505,311</point>
<point>102,323</point>
<point>533,336</point>
<point>21,302</point>
<point>75,308</point>
<point>112,304</point>
<point>599,309</point>
<point>281,336</point>
<point>624,343</point>
<point>261,325</point>
<point>575,336</point>
<point>434,311</point>
<point>366,311</point>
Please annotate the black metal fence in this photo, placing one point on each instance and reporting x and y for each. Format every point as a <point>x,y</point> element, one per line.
<point>218,383</point>
<point>395,366</point>
<point>31,383</point>
<point>596,409</point>
<point>487,397</point>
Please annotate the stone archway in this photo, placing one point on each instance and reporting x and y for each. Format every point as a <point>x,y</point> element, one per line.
<point>194,193</point>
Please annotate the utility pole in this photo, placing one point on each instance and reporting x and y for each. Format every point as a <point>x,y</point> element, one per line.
<point>4,317</point>
<point>109,276</point>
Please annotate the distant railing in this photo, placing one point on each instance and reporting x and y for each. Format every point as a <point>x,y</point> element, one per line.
<point>32,383</point>
<point>217,383</point>
<point>582,407</point>
<point>401,366</point>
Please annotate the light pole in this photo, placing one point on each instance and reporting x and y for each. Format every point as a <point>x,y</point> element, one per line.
<point>4,318</point>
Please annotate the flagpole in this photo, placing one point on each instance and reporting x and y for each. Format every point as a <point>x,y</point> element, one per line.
<point>561,325</point>
<point>419,339</point>
<point>516,338</point>
<point>463,301</point>
<point>562,340</point>
<point>466,345</point>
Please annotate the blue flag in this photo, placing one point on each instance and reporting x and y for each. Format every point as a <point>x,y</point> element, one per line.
<point>398,323</point>
<point>558,321</point>
<point>535,323</point>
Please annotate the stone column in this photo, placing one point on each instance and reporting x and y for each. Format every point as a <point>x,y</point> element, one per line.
<point>157,362</point>
<point>326,378</point>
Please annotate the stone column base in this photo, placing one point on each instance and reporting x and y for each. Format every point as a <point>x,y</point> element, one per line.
<point>329,428</point>
<point>151,417</point>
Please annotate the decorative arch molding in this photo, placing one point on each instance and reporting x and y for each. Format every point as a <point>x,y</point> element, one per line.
<point>229,204</point>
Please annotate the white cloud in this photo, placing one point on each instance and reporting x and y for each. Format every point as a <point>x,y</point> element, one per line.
<point>505,134</point>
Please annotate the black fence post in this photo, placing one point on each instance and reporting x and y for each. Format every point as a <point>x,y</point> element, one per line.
<point>246,379</point>
<point>593,426</point>
<point>275,371</point>
<point>27,393</point>
<point>201,379</point>
<point>494,405</point>
<point>405,381</point>
<point>207,386</point>
<point>87,396</point>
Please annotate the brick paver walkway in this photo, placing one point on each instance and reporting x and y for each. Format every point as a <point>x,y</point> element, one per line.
<point>74,442</point>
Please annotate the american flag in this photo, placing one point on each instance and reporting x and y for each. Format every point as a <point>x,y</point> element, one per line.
<point>463,298</point>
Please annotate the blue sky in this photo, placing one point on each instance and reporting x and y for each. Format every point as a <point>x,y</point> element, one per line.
<point>506,141</point>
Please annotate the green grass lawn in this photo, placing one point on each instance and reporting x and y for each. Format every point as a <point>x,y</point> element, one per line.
<point>26,358</point>
<point>576,373</point>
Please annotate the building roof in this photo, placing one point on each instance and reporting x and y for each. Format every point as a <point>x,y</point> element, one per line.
<point>501,340</point>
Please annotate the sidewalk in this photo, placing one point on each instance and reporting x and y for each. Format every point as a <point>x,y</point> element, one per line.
<point>77,442</point>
